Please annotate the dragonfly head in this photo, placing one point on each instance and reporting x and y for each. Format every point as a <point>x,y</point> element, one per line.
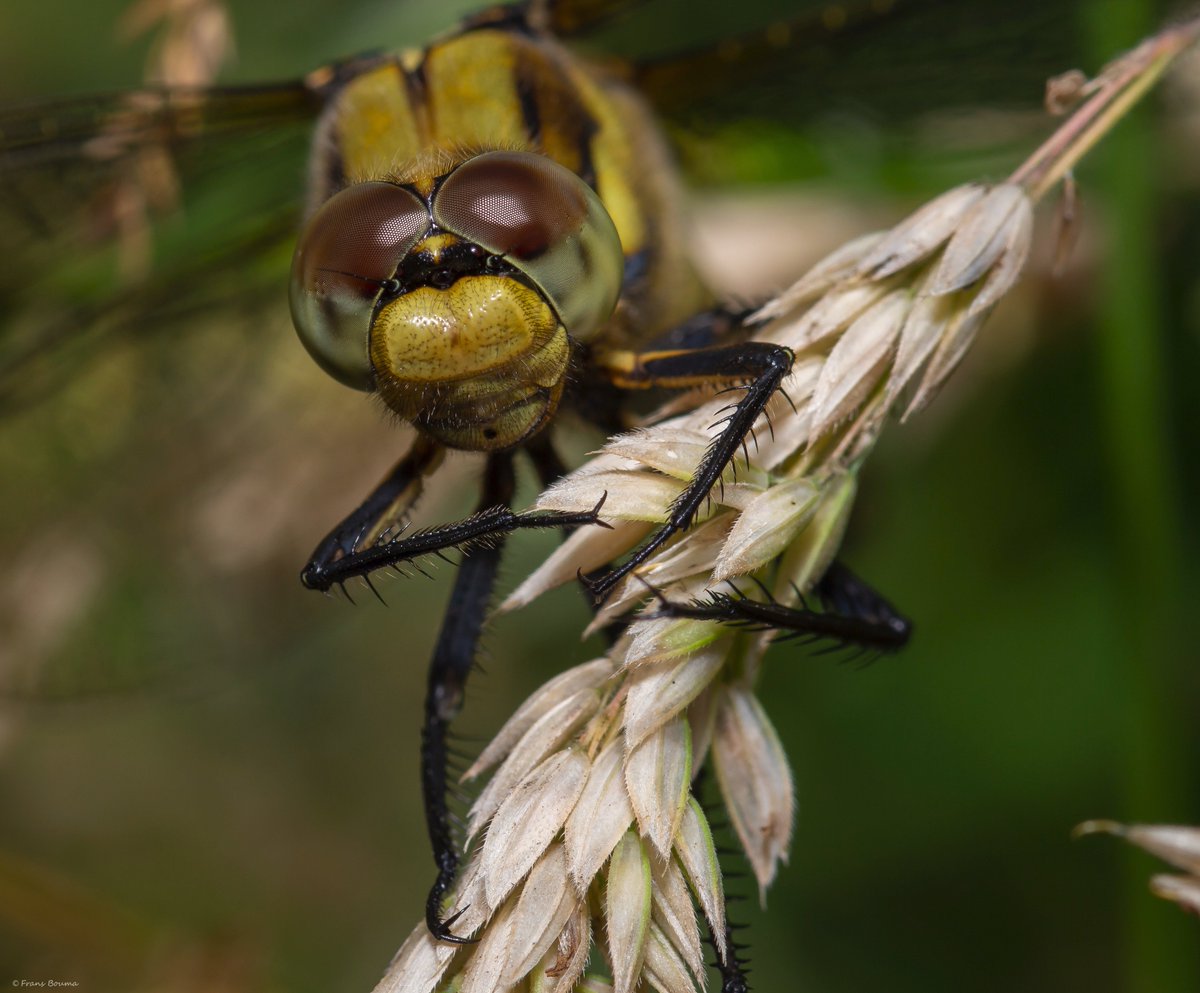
<point>457,298</point>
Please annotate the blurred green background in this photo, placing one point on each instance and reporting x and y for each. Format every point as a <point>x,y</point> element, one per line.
<point>208,775</point>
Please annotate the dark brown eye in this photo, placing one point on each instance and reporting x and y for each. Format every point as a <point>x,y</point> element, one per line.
<point>547,223</point>
<point>347,255</point>
<point>512,203</point>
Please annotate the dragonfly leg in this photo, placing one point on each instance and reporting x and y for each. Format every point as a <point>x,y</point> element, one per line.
<point>880,626</point>
<point>731,965</point>
<point>853,614</point>
<point>730,959</point>
<point>759,365</point>
<point>453,657</point>
<point>719,325</point>
<point>390,500</point>
<point>546,462</point>
<point>364,541</point>
<point>361,544</point>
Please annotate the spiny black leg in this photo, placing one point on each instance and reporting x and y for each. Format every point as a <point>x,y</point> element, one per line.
<point>482,528</point>
<point>395,495</point>
<point>602,400</point>
<point>762,364</point>
<point>343,555</point>
<point>706,329</point>
<point>842,592</point>
<point>546,463</point>
<point>730,965</point>
<point>452,660</point>
<point>854,614</point>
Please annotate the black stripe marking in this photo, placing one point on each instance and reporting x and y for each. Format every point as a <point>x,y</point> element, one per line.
<point>335,168</point>
<point>415,82</point>
<point>527,98</point>
<point>587,131</point>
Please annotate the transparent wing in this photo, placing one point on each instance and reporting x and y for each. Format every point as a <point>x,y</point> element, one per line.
<point>805,73</point>
<point>567,18</point>
<point>119,212</point>
<point>104,128</point>
<point>905,57</point>
<point>146,238</point>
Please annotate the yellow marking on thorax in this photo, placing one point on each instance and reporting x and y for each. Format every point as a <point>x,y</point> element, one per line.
<point>378,126</point>
<point>410,59</point>
<point>616,163</point>
<point>472,97</point>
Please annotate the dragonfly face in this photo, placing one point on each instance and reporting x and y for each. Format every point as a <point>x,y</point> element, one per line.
<point>457,296</point>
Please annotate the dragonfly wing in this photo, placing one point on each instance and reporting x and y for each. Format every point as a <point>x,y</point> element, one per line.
<point>567,18</point>
<point>107,127</point>
<point>118,212</point>
<point>819,61</point>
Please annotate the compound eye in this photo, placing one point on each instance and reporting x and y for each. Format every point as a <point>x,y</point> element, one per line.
<point>544,220</point>
<point>347,256</point>
<point>512,203</point>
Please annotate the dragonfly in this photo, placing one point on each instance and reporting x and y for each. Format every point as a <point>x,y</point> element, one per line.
<point>542,189</point>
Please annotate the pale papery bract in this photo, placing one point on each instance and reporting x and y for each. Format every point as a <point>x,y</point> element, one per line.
<point>1178,846</point>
